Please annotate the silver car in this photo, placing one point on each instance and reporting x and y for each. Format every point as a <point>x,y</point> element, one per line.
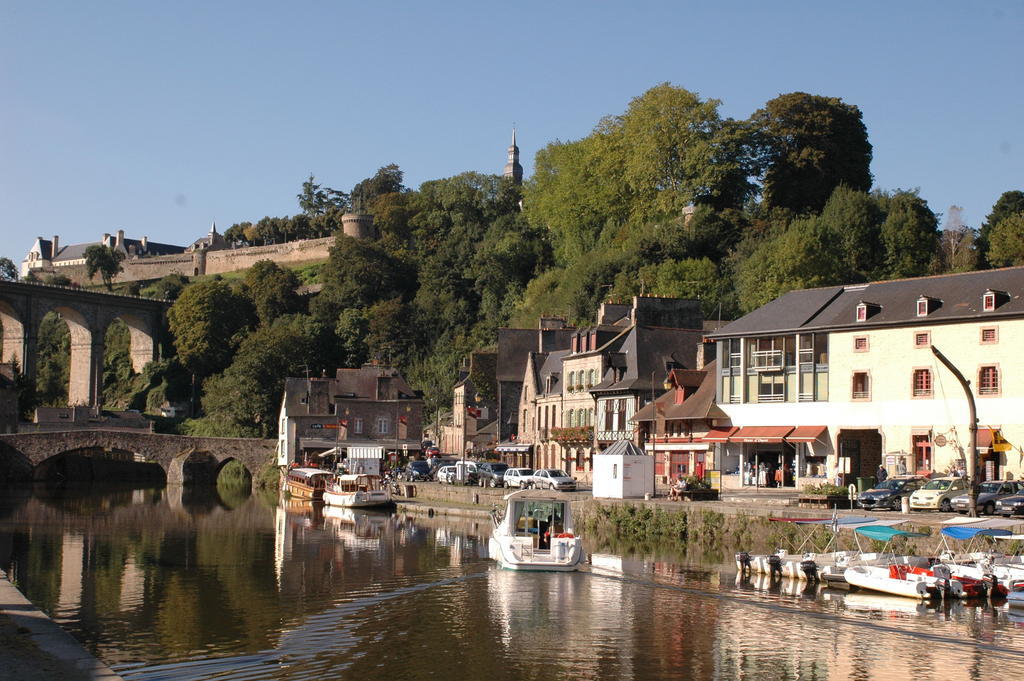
<point>553,478</point>
<point>988,493</point>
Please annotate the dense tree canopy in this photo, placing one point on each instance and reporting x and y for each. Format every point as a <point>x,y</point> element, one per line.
<point>207,322</point>
<point>1006,241</point>
<point>810,145</point>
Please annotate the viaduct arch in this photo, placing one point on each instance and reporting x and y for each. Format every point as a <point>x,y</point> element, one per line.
<point>182,457</point>
<point>87,314</point>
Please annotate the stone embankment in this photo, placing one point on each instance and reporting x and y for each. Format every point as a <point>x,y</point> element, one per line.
<point>705,528</point>
<point>34,648</point>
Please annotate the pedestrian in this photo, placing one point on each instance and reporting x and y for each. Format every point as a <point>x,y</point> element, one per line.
<point>901,466</point>
<point>881,474</point>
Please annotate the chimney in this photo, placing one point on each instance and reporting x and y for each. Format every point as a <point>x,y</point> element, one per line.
<point>55,248</point>
<point>120,238</point>
<point>145,244</point>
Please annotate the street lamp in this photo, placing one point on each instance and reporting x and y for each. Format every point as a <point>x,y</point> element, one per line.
<point>972,458</point>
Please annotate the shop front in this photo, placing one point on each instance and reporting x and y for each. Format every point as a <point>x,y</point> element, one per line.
<point>516,454</point>
<point>767,460</point>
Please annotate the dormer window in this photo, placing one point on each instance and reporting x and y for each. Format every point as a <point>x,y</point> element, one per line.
<point>993,299</point>
<point>866,310</point>
<point>926,305</point>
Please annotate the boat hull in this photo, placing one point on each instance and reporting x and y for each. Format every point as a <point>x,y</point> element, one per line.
<point>370,499</point>
<point>565,555</point>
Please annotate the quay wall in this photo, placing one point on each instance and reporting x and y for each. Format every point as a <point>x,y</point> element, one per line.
<point>41,649</point>
<point>704,531</point>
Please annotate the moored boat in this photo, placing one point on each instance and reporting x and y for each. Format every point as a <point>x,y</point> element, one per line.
<point>356,491</point>
<point>536,533</point>
<point>306,483</point>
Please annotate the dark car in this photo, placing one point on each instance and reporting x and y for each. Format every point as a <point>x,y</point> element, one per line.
<point>1011,505</point>
<point>889,494</point>
<point>491,474</point>
<point>989,494</point>
<point>416,471</point>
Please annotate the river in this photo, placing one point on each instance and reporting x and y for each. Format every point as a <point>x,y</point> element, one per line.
<point>168,585</point>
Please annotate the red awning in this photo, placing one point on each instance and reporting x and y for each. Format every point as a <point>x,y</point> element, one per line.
<point>769,434</point>
<point>806,433</point>
<point>718,434</point>
<point>984,437</point>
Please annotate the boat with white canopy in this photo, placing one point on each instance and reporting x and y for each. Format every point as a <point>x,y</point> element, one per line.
<point>536,533</point>
<point>356,491</point>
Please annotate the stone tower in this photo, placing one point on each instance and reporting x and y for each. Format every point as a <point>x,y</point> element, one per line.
<point>512,168</point>
<point>357,225</point>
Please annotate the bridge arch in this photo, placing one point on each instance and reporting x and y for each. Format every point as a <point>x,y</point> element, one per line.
<point>94,464</point>
<point>13,348</point>
<point>86,363</point>
<point>143,340</point>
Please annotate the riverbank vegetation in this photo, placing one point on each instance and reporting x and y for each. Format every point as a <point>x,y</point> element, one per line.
<point>667,198</point>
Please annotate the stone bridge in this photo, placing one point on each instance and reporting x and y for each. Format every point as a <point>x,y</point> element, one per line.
<point>87,314</point>
<point>184,459</point>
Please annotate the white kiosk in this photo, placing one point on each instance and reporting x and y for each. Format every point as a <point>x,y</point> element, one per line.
<point>623,471</point>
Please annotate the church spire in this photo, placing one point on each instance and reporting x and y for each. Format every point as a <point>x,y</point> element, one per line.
<point>512,168</point>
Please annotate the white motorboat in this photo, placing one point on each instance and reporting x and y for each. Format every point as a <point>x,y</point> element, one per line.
<point>536,533</point>
<point>900,580</point>
<point>356,491</point>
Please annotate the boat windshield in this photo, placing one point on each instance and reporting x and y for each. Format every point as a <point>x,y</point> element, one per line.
<point>939,484</point>
<point>537,518</point>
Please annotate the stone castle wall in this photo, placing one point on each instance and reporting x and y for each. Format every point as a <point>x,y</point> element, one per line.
<point>203,262</point>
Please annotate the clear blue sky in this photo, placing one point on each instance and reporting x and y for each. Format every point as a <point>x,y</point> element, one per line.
<point>158,117</point>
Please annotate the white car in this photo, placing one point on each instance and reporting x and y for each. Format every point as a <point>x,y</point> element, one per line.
<point>446,474</point>
<point>518,477</point>
<point>938,493</point>
<point>553,478</point>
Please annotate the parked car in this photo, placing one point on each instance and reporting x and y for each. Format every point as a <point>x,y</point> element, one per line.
<point>988,494</point>
<point>937,494</point>
<point>553,478</point>
<point>491,474</point>
<point>445,474</point>
<point>416,471</point>
<point>1011,505</point>
<point>889,494</point>
<point>518,477</point>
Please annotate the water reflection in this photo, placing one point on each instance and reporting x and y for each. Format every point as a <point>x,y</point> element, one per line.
<point>176,584</point>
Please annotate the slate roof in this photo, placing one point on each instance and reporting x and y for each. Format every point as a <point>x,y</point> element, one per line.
<point>513,347</point>
<point>622,448</point>
<point>347,384</point>
<point>77,251</point>
<point>699,405</point>
<point>834,307</point>
<point>646,354</point>
<point>552,367</point>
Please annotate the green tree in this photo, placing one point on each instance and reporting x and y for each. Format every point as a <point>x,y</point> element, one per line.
<point>168,287</point>
<point>206,322</point>
<point>8,270</point>
<point>1007,204</point>
<point>358,274</point>
<point>855,218</point>
<point>351,331</point>
<point>272,290</point>
<point>386,180</point>
<point>1006,241</point>
<point>804,256</point>
<point>809,145</point>
<point>264,360</point>
<point>105,260</point>
<point>909,234</point>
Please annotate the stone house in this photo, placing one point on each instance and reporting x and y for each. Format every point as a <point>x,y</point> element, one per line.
<point>370,409</point>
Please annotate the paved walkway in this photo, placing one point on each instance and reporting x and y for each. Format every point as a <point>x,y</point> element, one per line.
<point>34,648</point>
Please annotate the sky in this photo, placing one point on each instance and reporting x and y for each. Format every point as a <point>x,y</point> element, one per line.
<point>161,117</point>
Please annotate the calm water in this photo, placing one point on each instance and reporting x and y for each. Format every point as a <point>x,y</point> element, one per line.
<point>162,586</point>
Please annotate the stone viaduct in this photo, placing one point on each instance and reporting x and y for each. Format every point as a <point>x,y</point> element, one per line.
<point>23,456</point>
<point>87,314</point>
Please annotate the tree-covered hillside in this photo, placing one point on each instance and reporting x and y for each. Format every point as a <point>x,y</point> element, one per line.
<point>666,198</point>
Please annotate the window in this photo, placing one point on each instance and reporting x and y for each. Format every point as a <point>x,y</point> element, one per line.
<point>590,378</point>
<point>990,335</point>
<point>988,302</point>
<point>571,385</point>
<point>734,355</point>
<point>922,382</point>
<point>860,343</point>
<point>383,425</point>
<point>922,307</point>
<point>922,339</point>
<point>806,352</point>
<point>766,353</point>
<point>771,388</point>
<point>357,428</point>
<point>862,312</point>
<point>988,380</point>
<point>861,386</point>
<point>571,421</point>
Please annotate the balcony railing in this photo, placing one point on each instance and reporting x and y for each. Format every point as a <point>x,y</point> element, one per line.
<point>861,394</point>
<point>766,360</point>
<point>610,435</point>
<point>771,398</point>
